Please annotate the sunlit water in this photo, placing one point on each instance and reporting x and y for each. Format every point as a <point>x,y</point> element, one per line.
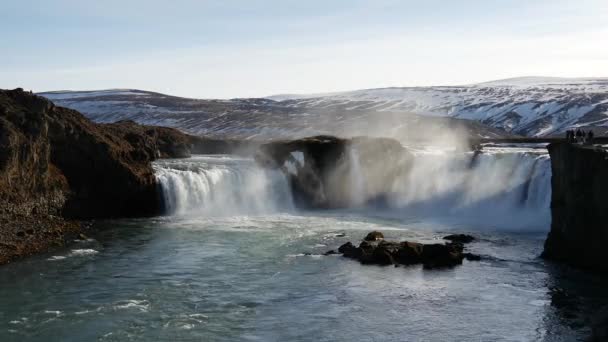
<point>260,277</point>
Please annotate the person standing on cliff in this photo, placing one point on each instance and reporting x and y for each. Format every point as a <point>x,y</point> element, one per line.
<point>570,135</point>
<point>579,135</point>
<point>590,137</point>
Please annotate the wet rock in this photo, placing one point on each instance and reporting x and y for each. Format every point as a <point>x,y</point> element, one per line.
<point>462,238</point>
<point>410,253</point>
<point>382,252</point>
<point>373,236</point>
<point>438,255</point>
<point>350,251</point>
<point>472,257</point>
<point>330,252</point>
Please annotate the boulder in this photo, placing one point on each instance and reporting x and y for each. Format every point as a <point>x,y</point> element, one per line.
<point>382,252</point>
<point>373,236</point>
<point>462,238</point>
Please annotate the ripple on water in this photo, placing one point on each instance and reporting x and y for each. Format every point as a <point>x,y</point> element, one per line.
<point>74,253</point>
<point>141,305</point>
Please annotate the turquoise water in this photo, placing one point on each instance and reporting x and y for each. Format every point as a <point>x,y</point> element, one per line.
<point>247,279</point>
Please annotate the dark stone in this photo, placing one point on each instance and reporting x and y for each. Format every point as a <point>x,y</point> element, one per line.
<point>382,252</point>
<point>409,253</point>
<point>471,257</point>
<point>462,238</point>
<point>350,251</point>
<point>330,252</point>
<point>579,210</point>
<point>373,236</point>
<point>438,255</point>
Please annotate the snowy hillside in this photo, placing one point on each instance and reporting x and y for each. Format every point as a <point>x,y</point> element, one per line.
<point>256,118</point>
<point>532,106</point>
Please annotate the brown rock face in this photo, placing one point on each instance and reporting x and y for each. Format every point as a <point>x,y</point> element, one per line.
<point>579,209</point>
<point>55,164</point>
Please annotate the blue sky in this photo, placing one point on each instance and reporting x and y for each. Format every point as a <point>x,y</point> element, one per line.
<point>246,48</point>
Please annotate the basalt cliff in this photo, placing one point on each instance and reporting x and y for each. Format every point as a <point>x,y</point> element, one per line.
<point>57,167</point>
<point>579,209</point>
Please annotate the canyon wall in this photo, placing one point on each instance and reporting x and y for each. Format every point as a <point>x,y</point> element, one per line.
<point>579,206</point>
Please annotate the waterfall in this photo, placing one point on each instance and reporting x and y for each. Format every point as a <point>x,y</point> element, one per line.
<point>221,186</point>
<point>357,181</point>
<point>509,183</point>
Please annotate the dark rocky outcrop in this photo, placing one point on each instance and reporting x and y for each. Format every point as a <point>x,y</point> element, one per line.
<point>373,236</point>
<point>382,252</point>
<point>322,171</point>
<point>579,206</point>
<point>56,166</point>
<point>460,238</point>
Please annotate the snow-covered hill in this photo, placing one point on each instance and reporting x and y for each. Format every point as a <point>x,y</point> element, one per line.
<point>256,118</point>
<point>532,106</point>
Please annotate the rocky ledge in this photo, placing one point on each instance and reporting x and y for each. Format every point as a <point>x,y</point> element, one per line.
<point>579,206</point>
<point>327,172</point>
<point>57,167</point>
<point>375,250</point>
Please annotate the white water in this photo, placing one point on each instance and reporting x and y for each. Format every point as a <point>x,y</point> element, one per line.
<point>357,180</point>
<point>509,187</point>
<point>506,181</point>
<point>221,186</point>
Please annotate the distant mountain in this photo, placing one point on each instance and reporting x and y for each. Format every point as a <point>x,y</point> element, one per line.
<point>259,118</point>
<point>531,106</point>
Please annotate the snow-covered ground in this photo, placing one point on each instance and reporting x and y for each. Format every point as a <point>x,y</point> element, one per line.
<point>532,106</point>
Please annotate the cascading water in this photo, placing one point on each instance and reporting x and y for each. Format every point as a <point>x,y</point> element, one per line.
<point>504,185</point>
<point>505,180</point>
<point>221,185</point>
<point>357,180</point>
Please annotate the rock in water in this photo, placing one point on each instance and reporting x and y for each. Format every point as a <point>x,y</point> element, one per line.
<point>462,238</point>
<point>373,236</point>
<point>382,252</point>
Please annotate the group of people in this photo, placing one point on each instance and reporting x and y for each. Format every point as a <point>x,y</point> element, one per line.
<point>579,136</point>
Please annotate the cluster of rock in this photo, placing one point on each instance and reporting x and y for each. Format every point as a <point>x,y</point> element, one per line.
<point>375,250</point>
<point>56,166</point>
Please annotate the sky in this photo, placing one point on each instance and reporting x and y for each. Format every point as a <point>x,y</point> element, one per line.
<point>246,48</point>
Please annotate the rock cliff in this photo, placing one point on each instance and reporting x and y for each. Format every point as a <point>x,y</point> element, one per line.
<point>579,209</point>
<point>56,166</point>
